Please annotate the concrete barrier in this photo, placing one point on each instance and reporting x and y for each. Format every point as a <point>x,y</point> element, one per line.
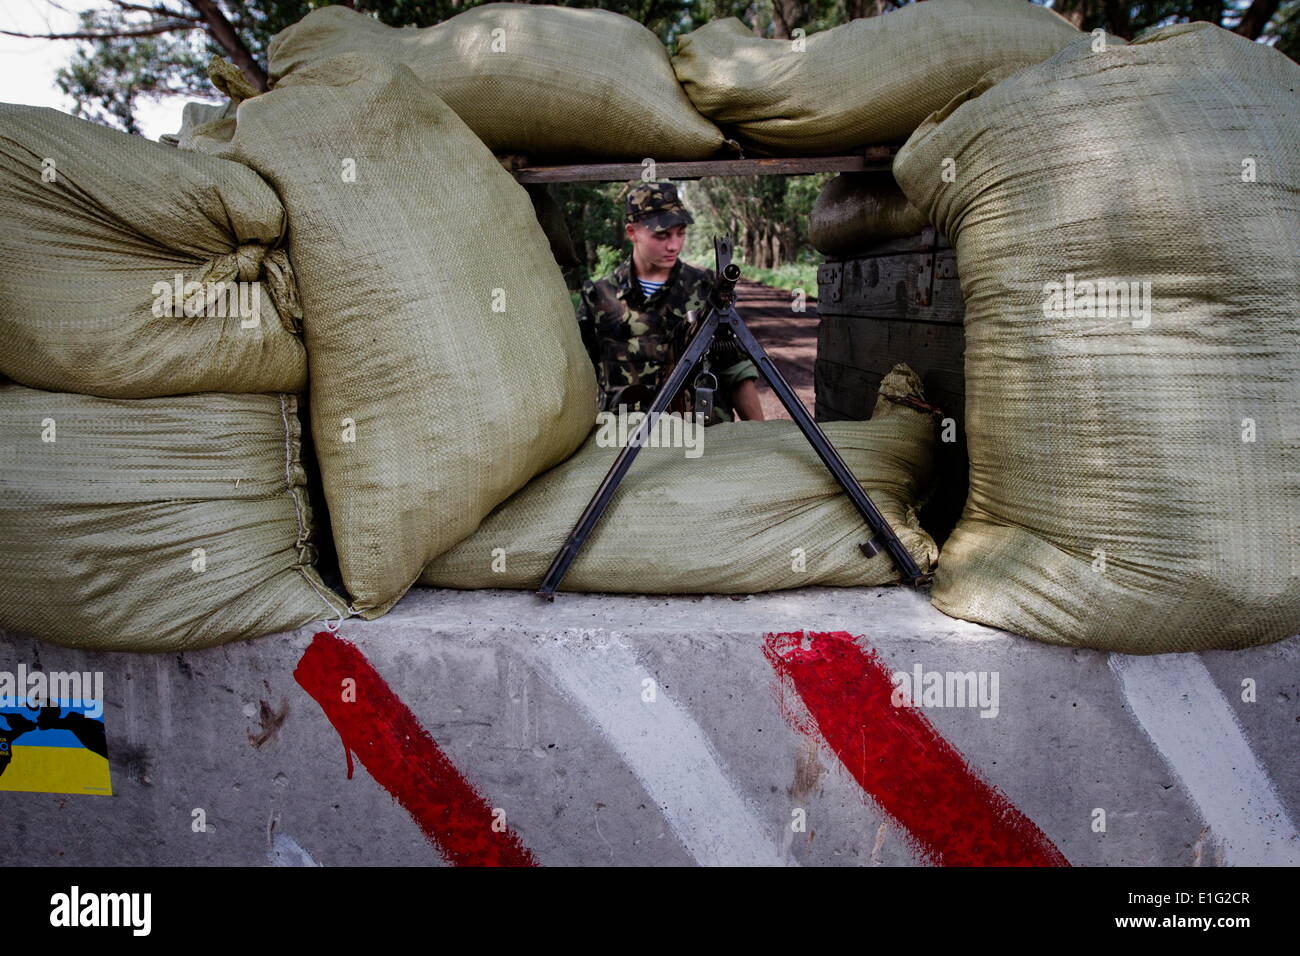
<point>488,726</point>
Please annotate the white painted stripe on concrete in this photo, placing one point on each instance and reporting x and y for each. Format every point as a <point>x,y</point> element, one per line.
<point>1196,732</point>
<point>668,753</point>
<point>285,851</point>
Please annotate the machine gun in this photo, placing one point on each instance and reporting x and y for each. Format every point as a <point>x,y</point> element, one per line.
<point>720,323</point>
<point>702,384</point>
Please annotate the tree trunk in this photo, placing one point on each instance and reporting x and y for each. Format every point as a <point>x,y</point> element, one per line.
<point>1256,18</point>
<point>589,246</point>
<point>786,15</point>
<point>1078,12</point>
<point>220,29</point>
<point>1117,19</point>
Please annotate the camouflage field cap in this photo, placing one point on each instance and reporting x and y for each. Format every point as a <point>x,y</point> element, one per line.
<point>657,206</point>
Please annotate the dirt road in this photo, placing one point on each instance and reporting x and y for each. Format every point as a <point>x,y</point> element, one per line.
<point>789,337</point>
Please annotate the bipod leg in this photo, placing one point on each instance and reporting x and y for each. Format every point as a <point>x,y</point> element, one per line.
<point>882,533</point>
<point>699,344</point>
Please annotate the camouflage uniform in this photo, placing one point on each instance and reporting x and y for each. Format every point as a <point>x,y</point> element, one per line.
<point>629,336</point>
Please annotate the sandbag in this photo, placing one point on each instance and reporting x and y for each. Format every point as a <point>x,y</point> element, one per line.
<point>866,81</point>
<point>749,508</point>
<point>201,122</point>
<point>536,79</point>
<point>856,210</point>
<point>446,366</point>
<point>159,524</point>
<point>1134,455</point>
<point>208,127</point>
<point>99,225</point>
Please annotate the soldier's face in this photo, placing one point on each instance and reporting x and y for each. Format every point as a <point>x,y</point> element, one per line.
<point>659,247</point>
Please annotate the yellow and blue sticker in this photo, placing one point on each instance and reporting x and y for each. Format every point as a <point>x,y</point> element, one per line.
<point>59,748</point>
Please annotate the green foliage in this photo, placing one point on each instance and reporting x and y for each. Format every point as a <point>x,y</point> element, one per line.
<point>106,78</point>
<point>608,258</point>
<point>594,215</point>
<point>788,277</point>
<point>767,216</point>
<point>1128,20</point>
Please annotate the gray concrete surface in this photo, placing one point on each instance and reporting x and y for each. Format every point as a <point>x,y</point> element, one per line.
<point>541,708</point>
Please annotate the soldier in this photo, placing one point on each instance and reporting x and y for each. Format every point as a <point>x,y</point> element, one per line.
<point>628,319</point>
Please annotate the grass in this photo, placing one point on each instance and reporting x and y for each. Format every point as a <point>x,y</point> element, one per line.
<point>789,277</point>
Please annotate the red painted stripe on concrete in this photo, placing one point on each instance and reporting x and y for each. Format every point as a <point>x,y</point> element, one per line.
<point>900,760</point>
<point>403,758</point>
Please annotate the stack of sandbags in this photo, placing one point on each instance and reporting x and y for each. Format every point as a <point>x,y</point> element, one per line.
<point>149,500</point>
<point>534,79</point>
<point>866,81</point>
<point>1127,227</point>
<point>446,367</point>
<point>857,210</point>
<point>156,524</point>
<point>735,508</point>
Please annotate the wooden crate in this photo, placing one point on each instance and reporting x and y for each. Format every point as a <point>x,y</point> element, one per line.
<point>898,301</point>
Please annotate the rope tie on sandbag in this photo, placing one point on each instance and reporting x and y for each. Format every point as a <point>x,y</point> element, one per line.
<point>230,79</point>
<point>250,262</point>
<point>333,625</point>
<point>245,262</point>
<point>283,288</point>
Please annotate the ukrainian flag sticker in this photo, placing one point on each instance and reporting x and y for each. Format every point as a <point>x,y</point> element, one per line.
<point>60,748</point>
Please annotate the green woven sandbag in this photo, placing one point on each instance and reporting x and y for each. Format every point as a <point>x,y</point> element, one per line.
<point>866,81</point>
<point>97,227</point>
<point>201,122</point>
<point>157,524</point>
<point>446,367</point>
<point>1134,478</point>
<point>750,508</point>
<point>536,79</point>
<point>856,210</point>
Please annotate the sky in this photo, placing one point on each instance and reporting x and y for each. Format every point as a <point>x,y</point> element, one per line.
<point>27,67</point>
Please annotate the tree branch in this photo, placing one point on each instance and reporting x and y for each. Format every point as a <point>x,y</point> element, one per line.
<point>159,11</point>
<point>58,6</point>
<point>141,32</point>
